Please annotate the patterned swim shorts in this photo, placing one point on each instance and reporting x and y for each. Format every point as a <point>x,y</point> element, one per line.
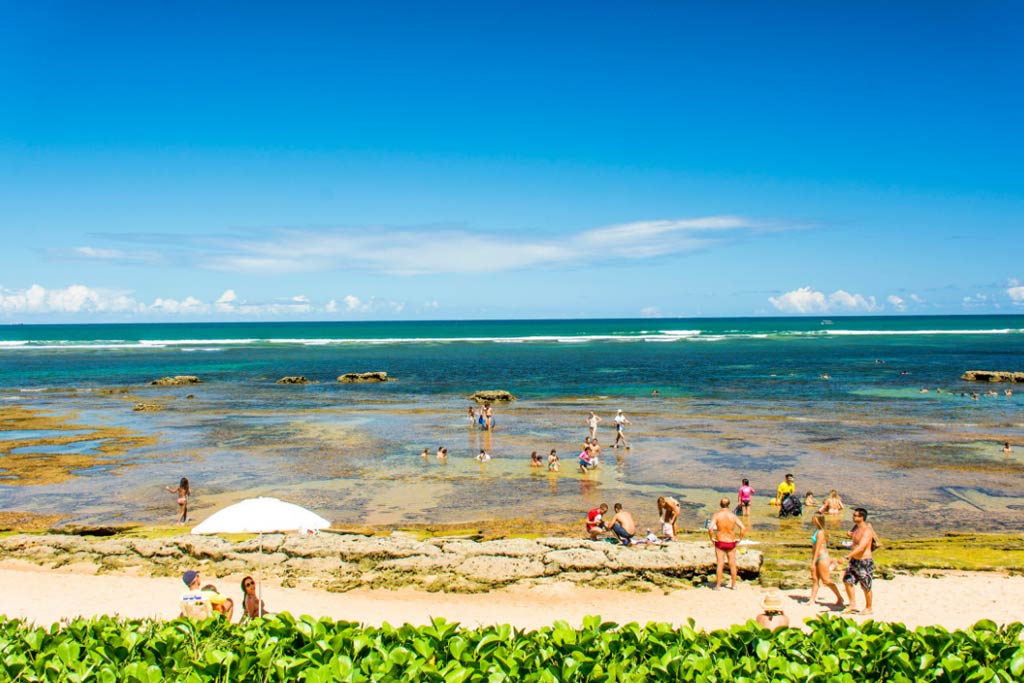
<point>860,571</point>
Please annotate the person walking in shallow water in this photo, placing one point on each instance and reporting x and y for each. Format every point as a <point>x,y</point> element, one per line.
<point>620,422</point>
<point>592,423</point>
<point>183,492</point>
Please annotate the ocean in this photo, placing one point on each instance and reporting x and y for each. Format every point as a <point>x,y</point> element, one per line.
<point>871,406</point>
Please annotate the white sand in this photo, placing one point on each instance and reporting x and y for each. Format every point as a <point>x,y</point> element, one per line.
<point>952,600</point>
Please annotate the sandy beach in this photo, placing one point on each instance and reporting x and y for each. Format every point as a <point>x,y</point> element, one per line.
<point>950,599</point>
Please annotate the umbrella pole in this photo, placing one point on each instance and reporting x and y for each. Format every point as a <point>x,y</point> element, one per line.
<point>260,608</point>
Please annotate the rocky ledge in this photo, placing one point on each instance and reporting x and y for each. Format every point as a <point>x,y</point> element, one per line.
<point>992,376</point>
<point>176,381</point>
<point>490,395</point>
<point>340,563</point>
<point>293,379</point>
<point>353,377</point>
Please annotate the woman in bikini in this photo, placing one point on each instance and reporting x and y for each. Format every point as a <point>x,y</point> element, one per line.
<point>183,492</point>
<point>253,606</point>
<point>833,505</point>
<point>821,563</point>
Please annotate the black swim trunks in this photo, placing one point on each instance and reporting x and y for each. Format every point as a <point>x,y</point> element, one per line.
<point>860,571</point>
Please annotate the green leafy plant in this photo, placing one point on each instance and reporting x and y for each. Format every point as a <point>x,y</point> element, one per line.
<point>285,648</point>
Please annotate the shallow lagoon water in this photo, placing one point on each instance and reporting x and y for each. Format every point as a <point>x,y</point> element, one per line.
<point>748,405</point>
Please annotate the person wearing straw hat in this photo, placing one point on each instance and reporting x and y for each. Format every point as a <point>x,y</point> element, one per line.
<point>772,617</point>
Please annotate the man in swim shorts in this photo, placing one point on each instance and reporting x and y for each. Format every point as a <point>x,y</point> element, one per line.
<point>595,521</point>
<point>723,533</point>
<point>622,525</point>
<point>860,567</point>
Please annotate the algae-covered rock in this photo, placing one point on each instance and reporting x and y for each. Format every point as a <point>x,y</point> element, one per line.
<point>507,547</point>
<point>355,548</point>
<point>293,379</point>
<point>147,407</point>
<point>491,395</point>
<point>357,377</point>
<point>577,558</point>
<point>500,570</point>
<point>993,376</point>
<point>176,381</point>
<point>420,564</point>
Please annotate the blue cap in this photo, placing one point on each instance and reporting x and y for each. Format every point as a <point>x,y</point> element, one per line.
<point>189,577</point>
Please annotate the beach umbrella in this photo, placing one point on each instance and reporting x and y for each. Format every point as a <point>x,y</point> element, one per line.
<point>260,516</point>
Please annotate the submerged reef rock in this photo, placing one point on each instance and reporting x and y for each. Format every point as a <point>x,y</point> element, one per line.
<point>176,381</point>
<point>353,377</point>
<point>293,379</point>
<point>338,563</point>
<point>147,407</point>
<point>992,376</point>
<point>488,395</point>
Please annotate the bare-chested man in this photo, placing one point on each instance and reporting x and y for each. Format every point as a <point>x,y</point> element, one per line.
<point>724,536</point>
<point>860,566</point>
<point>668,513</point>
<point>622,525</point>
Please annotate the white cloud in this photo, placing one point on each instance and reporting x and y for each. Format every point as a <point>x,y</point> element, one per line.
<point>916,299</point>
<point>332,306</point>
<point>807,300</point>
<point>352,303</point>
<point>896,302</point>
<point>81,300</point>
<point>650,312</point>
<point>92,252</point>
<point>228,297</point>
<point>419,252</point>
<point>803,300</point>
<point>1016,293</point>
<point>976,300</point>
<point>72,299</point>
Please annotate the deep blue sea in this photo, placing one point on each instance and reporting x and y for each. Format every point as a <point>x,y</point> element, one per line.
<point>841,402</point>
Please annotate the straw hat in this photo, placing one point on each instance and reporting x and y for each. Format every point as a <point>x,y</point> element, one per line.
<point>772,602</point>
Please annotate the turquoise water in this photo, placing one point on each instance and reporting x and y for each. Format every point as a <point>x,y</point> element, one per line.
<point>736,397</point>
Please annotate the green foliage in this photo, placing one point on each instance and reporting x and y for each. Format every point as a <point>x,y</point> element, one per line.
<point>285,648</point>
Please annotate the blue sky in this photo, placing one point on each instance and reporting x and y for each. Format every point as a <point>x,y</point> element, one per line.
<point>353,160</point>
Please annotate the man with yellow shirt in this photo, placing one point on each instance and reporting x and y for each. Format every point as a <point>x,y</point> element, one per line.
<point>786,488</point>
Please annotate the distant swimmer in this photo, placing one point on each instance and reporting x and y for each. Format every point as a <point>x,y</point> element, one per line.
<point>535,460</point>
<point>1008,393</point>
<point>655,393</point>
<point>484,456</point>
<point>442,454</point>
<point>425,454</point>
<point>825,376</point>
<point>922,390</point>
<point>1007,448</point>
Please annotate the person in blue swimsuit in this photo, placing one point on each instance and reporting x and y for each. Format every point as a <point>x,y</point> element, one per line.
<point>821,563</point>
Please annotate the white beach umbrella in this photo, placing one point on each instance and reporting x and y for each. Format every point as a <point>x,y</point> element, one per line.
<point>260,516</point>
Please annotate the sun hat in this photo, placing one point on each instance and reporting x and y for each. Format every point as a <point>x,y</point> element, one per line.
<point>772,601</point>
<point>189,576</point>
